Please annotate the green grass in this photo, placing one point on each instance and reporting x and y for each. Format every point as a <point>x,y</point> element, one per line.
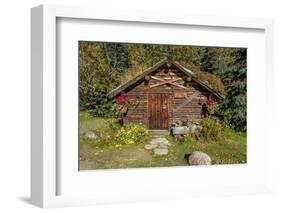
<point>88,122</point>
<point>230,149</point>
<point>94,154</point>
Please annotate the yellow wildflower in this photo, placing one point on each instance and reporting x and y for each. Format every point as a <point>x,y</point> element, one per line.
<point>130,142</point>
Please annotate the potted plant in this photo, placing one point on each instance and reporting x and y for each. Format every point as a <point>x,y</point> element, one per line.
<point>211,106</point>
<point>123,103</point>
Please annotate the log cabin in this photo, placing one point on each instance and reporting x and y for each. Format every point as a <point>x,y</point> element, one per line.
<point>164,94</point>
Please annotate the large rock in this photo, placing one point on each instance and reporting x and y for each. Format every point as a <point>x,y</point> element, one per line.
<point>180,130</point>
<point>91,134</point>
<point>199,159</point>
<point>195,128</point>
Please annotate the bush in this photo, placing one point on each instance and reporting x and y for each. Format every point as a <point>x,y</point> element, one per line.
<point>97,103</point>
<point>212,80</point>
<point>130,134</point>
<point>212,129</point>
<point>114,135</point>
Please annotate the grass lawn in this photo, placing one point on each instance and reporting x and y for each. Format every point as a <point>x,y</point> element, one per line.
<point>230,149</point>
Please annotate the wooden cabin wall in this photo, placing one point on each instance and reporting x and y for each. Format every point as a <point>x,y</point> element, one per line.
<point>192,111</point>
<point>178,111</point>
<point>137,114</point>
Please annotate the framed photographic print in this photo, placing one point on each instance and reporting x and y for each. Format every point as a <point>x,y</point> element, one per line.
<point>130,106</point>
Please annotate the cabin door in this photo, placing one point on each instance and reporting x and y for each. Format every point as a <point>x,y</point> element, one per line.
<point>158,116</point>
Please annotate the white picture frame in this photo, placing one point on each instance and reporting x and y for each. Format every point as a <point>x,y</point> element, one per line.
<point>45,152</point>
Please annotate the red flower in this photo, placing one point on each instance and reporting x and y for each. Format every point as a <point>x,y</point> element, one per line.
<point>122,99</point>
<point>208,102</point>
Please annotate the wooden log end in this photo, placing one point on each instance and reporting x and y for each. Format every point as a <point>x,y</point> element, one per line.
<point>147,77</point>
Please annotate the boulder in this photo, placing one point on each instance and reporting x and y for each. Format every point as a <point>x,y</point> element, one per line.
<point>195,128</point>
<point>91,134</point>
<point>180,130</point>
<point>199,159</point>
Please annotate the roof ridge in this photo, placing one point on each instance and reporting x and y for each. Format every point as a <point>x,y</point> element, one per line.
<point>139,77</point>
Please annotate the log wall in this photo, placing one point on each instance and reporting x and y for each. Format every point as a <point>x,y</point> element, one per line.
<point>183,104</point>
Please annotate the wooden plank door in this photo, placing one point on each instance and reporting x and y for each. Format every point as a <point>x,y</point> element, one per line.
<point>158,116</point>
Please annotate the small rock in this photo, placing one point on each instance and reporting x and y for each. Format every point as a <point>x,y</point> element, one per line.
<point>91,134</point>
<point>159,151</point>
<point>150,146</point>
<point>199,158</point>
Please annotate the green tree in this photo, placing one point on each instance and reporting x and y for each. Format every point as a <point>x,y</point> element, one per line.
<point>117,56</point>
<point>104,66</point>
<point>208,59</point>
<point>95,79</point>
<point>234,106</point>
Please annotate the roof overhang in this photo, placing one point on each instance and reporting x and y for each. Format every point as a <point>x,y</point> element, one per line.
<point>141,77</point>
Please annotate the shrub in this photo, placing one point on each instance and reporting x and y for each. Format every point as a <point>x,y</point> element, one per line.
<point>119,136</point>
<point>212,129</point>
<point>212,80</point>
<point>130,134</point>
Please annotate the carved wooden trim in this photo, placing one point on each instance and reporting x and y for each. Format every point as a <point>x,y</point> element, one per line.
<point>167,82</point>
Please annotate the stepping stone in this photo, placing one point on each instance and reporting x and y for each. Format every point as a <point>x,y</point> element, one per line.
<point>160,152</point>
<point>150,146</point>
<point>162,146</point>
<point>159,133</point>
<point>159,141</point>
<point>158,145</point>
<point>165,142</point>
<point>154,141</point>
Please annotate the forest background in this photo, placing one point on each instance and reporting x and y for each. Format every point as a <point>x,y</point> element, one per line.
<point>104,66</point>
